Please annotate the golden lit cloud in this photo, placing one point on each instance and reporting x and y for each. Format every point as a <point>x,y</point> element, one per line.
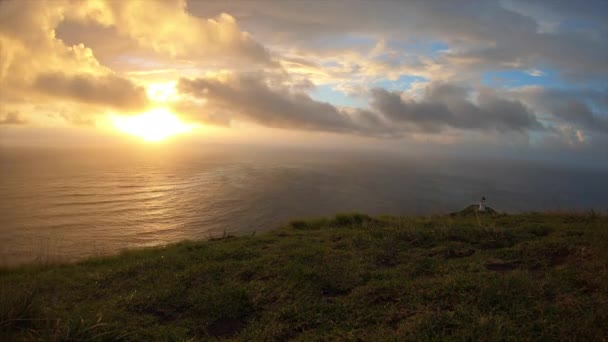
<point>39,68</point>
<point>167,27</point>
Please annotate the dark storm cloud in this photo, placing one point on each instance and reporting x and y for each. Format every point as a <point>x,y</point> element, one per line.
<point>251,97</point>
<point>107,90</point>
<point>447,105</point>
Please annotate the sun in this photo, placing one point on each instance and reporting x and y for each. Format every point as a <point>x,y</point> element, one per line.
<point>152,126</point>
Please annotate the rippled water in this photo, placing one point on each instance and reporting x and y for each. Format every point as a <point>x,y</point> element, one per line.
<point>72,204</point>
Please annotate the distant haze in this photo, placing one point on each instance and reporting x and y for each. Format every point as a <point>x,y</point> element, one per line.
<point>67,204</point>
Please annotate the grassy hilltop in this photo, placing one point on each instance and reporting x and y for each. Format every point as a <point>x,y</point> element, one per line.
<point>507,277</point>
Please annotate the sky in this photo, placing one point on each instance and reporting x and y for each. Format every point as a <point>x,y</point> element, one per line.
<point>511,78</point>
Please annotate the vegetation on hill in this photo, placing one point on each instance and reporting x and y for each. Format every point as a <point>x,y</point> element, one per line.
<point>508,277</point>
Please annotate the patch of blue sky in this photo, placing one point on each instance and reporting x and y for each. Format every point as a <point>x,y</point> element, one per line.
<point>438,47</point>
<point>326,93</point>
<point>598,110</point>
<point>404,82</point>
<point>422,47</point>
<point>514,78</point>
<point>574,25</point>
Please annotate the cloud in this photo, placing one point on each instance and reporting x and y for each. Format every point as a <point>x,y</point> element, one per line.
<point>38,67</point>
<point>167,27</point>
<point>480,36</point>
<point>419,65</point>
<point>535,72</point>
<point>448,106</point>
<point>579,113</point>
<point>12,118</point>
<point>253,97</point>
<point>33,59</point>
<point>267,102</point>
<point>108,90</point>
<point>583,108</point>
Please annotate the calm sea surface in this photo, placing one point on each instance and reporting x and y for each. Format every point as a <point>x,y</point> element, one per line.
<point>71,204</point>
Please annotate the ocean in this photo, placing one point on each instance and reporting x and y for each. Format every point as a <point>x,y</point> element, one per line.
<point>59,204</point>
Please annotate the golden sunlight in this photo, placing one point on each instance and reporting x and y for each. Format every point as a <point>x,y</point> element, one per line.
<point>152,126</point>
<point>161,92</point>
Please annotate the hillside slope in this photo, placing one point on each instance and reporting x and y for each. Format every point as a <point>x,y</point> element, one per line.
<point>513,277</point>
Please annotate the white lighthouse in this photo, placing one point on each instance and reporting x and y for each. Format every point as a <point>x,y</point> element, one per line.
<point>482,206</point>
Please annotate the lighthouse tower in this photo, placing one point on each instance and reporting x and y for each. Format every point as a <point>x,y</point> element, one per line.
<point>482,207</point>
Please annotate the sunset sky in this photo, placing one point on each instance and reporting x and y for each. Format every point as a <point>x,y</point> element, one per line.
<point>514,77</point>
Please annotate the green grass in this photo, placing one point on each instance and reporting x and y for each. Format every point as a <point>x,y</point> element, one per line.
<point>351,277</point>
